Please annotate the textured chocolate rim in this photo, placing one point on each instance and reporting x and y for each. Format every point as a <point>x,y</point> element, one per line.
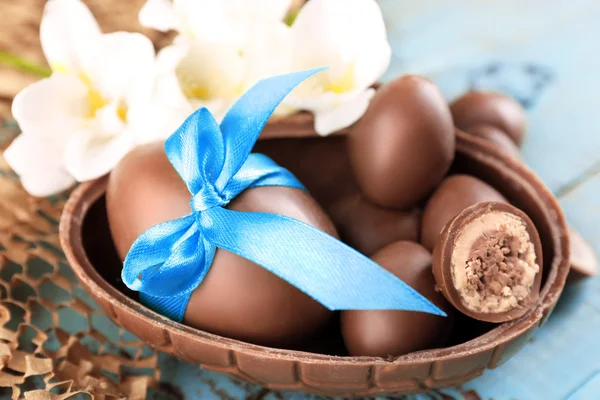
<point>300,124</point>
<point>442,264</point>
<point>316,373</point>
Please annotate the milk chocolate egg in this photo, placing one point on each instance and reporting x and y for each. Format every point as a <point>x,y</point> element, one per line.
<point>488,262</point>
<point>497,138</point>
<point>404,144</point>
<point>489,108</point>
<point>455,193</point>
<point>368,227</point>
<point>384,333</point>
<point>237,298</point>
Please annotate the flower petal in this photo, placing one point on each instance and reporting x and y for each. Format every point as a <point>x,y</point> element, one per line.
<point>167,90</point>
<point>38,161</point>
<point>67,29</point>
<point>120,65</point>
<point>89,155</point>
<point>107,121</point>
<point>52,107</point>
<point>168,57</point>
<point>376,61</point>
<point>159,15</point>
<point>269,53</point>
<point>347,35</point>
<point>345,114</point>
<point>270,10</point>
<point>207,21</point>
<point>221,78</point>
<point>268,50</point>
<point>155,121</point>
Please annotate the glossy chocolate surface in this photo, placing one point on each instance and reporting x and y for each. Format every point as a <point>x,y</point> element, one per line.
<point>454,194</point>
<point>497,138</point>
<point>448,245</point>
<point>388,333</point>
<point>490,108</point>
<point>404,144</point>
<point>237,298</point>
<point>368,227</point>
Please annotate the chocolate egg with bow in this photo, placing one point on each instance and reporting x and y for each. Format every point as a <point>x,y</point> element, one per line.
<point>237,298</point>
<point>404,144</point>
<point>385,333</point>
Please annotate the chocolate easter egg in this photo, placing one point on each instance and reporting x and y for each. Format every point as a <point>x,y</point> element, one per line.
<point>237,298</point>
<point>489,108</point>
<point>368,227</point>
<point>497,138</point>
<point>404,144</point>
<point>454,194</point>
<point>488,262</point>
<point>384,333</point>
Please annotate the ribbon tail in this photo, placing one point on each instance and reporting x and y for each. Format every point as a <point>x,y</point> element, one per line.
<point>332,273</point>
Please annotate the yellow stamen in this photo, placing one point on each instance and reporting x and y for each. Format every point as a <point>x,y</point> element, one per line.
<point>96,101</point>
<point>344,84</point>
<point>198,92</point>
<point>122,112</point>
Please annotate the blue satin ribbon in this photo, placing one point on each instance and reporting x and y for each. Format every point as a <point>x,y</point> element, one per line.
<point>168,261</point>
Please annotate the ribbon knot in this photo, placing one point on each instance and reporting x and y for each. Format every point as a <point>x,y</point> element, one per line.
<point>168,261</point>
<point>206,199</point>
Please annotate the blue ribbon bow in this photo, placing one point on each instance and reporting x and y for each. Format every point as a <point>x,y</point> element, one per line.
<point>168,261</point>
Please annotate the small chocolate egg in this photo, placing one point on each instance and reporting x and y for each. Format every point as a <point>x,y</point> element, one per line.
<point>455,193</point>
<point>488,262</point>
<point>237,298</point>
<point>385,333</point>
<point>368,227</point>
<point>496,137</point>
<point>404,144</point>
<point>489,108</point>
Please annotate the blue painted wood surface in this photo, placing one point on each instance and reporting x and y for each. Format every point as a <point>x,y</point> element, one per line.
<point>546,54</point>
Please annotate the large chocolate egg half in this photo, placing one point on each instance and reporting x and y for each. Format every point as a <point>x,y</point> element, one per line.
<point>237,298</point>
<point>87,243</point>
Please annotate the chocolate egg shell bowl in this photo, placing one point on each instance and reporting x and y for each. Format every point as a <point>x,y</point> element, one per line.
<point>322,366</point>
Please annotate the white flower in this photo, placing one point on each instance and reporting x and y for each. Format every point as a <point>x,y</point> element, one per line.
<point>349,36</point>
<point>78,123</point>
<point>211,20</point>
<point>223,48</point>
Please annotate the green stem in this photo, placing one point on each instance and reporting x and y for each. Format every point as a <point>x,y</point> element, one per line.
<point>24,65</point>
<point>291,17</point>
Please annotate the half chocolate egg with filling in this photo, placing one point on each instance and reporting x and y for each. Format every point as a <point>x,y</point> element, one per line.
<point>488,262</point>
